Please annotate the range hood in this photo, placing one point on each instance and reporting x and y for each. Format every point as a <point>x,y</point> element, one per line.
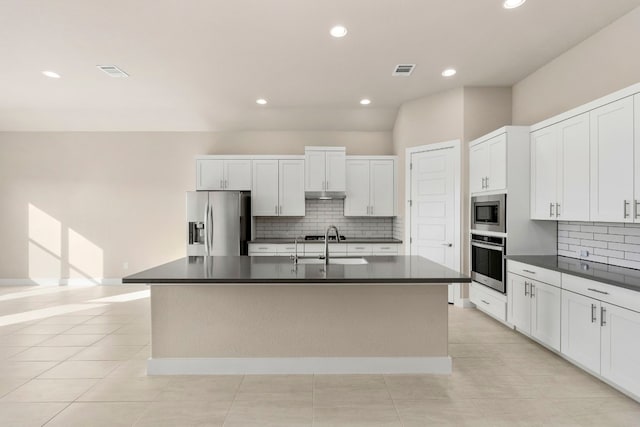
<point>324,195</point>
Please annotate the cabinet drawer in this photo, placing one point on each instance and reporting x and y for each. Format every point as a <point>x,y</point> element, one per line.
<point>488,303</point>
<point>318,249</point>
<point>359,249</point>
<point>601,291</point>
<point>288,249</point>
<point>259,249</point>
<point>385,249</point>
<point>541,274</point>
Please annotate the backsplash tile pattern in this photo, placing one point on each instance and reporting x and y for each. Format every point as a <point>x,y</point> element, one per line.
<point>319,215</point>
<point>398,228</point>
<point>606,242</point>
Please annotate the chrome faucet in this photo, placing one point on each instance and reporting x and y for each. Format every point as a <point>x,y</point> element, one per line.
<point>294,258</point>
<point>326,242</point>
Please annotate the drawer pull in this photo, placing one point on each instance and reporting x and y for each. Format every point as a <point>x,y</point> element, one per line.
<point>385,248</point>
<point>359,247</point>
<point>593,313</point>
<point>263,248</point>
<point>598,291</point>
<point>529,271</point>
<point>485,302</point>
<point>603,316</point>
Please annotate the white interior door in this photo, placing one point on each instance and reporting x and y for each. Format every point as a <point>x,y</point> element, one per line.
<point>433,217</point>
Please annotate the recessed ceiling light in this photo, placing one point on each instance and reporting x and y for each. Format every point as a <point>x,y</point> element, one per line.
<point>449,72</point>
<point>338,31</point>
<point>512,4</point>
<point>261,101</point>
<point>51,74</point>
<point>365,101</point>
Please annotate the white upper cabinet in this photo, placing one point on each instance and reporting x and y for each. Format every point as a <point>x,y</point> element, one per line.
<point>370,187</point>
<point>291,191</point>
<point>264,197</point>
<point>278,187</point>
<point>636,120</point>
<point>488,165</point>
<point>223,174</point>
<point>325,168</point>
<point>612,161</point>
<point>560,170</point>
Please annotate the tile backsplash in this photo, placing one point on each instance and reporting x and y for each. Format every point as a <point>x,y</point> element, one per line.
<point>610,243</point>
<point>319,215</point>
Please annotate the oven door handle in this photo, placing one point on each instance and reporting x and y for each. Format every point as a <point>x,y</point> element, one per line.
<point>485,246</point>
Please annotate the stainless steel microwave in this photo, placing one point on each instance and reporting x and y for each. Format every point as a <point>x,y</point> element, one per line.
<point>488,213</point>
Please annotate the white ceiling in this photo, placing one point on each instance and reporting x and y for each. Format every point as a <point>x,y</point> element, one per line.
<point>199,65</point>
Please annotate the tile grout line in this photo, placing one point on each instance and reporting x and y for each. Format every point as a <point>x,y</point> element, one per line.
<point>235,395</point>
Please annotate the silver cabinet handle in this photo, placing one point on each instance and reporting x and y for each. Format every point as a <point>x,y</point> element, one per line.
<point>280,210</point>
<point>593,313</point>
<point>551,210</point>
<point>371,210</point>
<point>484,184</point>
<point>635,209</point>
<point>206,229</point>
<point>485,302</point>
<point>529,271</point>
<point>526,291</point>
<point>447,244</point>
<point>487,181</point>
<point>557,209</point>
<point>532,287</point>
<point>598,291</point>
<point>385,248</point>
<point>624,208</point>
<point>603,316</point>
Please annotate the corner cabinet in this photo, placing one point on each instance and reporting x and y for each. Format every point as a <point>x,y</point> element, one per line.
<point>223,173</point>
<point>488,165</point>
<point>560,170</point>
<point>278,187</point>
<point>325,168</point>
<point>370,186</point>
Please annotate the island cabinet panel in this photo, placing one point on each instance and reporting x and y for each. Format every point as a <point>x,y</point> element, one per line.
<point>612,161</point>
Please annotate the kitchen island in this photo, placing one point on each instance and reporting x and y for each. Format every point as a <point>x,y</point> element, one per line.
<point>267,315</point>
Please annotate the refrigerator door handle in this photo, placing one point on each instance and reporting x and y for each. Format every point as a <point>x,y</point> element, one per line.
<point>210,230</point>
<point>206,229</point>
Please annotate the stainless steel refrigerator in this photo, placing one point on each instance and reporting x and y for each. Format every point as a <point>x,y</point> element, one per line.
<point>218,223</point>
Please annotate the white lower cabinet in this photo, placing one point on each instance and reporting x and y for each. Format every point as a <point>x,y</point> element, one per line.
<point>488,301</point>
<point>620,347</point>
<point>580,335</point>
<point>535,309</point>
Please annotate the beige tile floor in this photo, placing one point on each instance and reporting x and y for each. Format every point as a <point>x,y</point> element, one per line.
<point>85,366</point>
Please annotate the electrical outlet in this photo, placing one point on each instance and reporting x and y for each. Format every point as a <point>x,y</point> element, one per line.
<point>583,253</point>
<point>125,265</point>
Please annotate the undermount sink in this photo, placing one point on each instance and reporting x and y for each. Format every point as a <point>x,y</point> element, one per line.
<point>341,261</point>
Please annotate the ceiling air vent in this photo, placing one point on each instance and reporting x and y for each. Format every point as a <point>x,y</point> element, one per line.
<point>112,71</point>
<point>403,69</point>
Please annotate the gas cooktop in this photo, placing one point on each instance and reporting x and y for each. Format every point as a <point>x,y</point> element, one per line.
<point>321,238</point>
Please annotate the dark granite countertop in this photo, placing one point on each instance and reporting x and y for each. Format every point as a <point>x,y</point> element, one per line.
<point>270,270</point>
<point>623,277</point>
<point>347,240</point>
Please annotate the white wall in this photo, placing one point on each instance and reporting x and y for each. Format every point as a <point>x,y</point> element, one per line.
<point>603,63</point>
<point>81,204</point>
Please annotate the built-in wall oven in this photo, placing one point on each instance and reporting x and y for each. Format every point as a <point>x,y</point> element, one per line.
<point>488,213</point>
<point>488,261</point>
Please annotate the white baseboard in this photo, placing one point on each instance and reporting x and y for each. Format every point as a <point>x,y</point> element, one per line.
<point>299,365</point>
<point>59,282</point>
